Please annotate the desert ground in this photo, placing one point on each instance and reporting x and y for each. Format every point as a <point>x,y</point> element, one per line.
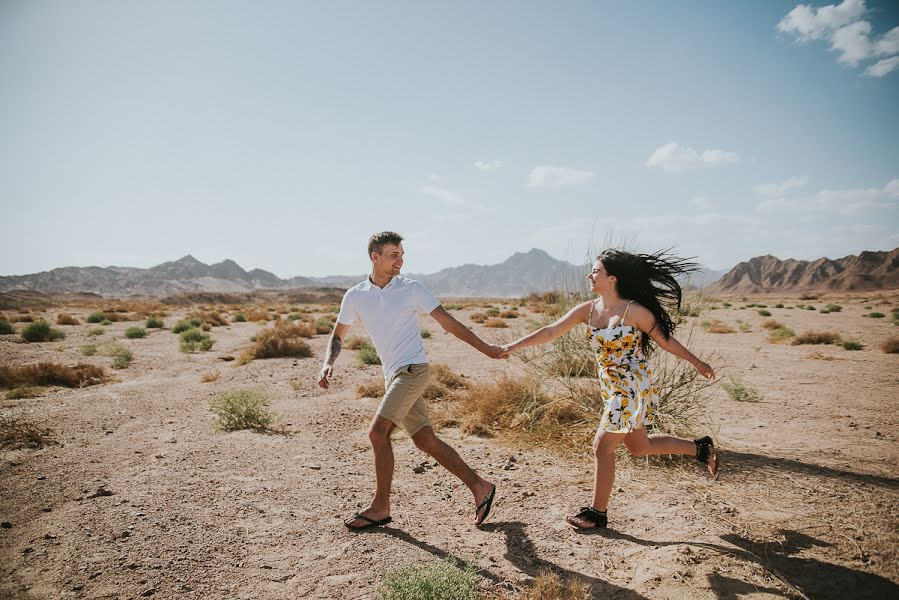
<point>136,494</point>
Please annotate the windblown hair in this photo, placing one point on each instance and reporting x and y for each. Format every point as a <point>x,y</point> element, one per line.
<point>651,280</point>
<point>377,241</point>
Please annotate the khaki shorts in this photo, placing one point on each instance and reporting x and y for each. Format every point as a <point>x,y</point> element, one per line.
<point>403,403</point>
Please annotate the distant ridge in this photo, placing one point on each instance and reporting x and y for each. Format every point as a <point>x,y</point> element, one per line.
<point>519,275</point>
<point>867,271</point>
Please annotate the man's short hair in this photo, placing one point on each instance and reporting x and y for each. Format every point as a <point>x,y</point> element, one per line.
<point>377,242</point>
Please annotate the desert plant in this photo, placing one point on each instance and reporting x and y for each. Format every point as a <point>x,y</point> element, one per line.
<point>496,323</point>
<point>121,356</point>
<point>24,392</point>
<point>294,317</point>
<point>716,326</point>
<point>478,317</point>
<point>186,324</point>
<point>6,327</point>
<point>779,305</point>
<point>372,389</point>
<point>95,331</point>
<point>875,315</point>
<point>425,334</point>
<point>367,355</point>
<point>832,308</point>
<point>355,342</point>
<point>19,433</point>
<point>549,585</point>
<point>764,313</point>
<point>443,578</point>
<point>851,344</point>
<point>242,409</point>
<point>210,377</point>
<point>816,337</point>
<point>282,340</point>
<point>153,323</point>
<point>89,349</point>
<point>96,317</point>
<point>890,345</point>
<point>135,332</point>
<point>323,326</point>
<point>46,373</point>
<point>239,318</point>
<point>40,331</point>
<point>740,391</point>
<point>772,324</point>
<point>493,311</point>
<point>780,334</point>
<point>66,319</point>
<point>453,306</point>
<point>193,340</point>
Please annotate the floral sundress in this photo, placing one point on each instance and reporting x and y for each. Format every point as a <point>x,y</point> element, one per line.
<point>625,376</point>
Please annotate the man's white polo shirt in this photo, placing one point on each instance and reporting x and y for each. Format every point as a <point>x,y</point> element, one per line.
<point>390,315</point>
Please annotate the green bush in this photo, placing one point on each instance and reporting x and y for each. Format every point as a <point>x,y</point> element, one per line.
<point>121,356</point>
<point>833,308</point>
<point>97,317</point>
<point>425,333</point>
<point>95,331</point>
<point>779,305</point>
<point>876,315</point>
<point>727,305</point>
<point>89,350</point>
<point>852,345</point>
<point>135,332</point>
<point>765,313</point>
<point>493,312</point>
<point>367,355</point>
<point>439,579</point>
<point>239,318</point>
<point>740,391</point>
<point>294,317</point>
<point>6,327</point>
<point>780,334</point>
<point>24,392</point>
<point>242,409</point>
<point>105,322</point>
<point>154,323</point>
<point>194,340</point>
<point>186,324</point>
<point>40,331</point>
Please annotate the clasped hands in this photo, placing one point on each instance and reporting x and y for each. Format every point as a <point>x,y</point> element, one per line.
<point>498,352</point>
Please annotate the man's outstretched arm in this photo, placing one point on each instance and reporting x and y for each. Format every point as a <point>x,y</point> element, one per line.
<point>335,344</point>
<point>451,325</point>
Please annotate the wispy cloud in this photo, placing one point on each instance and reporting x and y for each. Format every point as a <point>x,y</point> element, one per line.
<point>849,34</point>
<point>779,189</point>
<point>555,176</point>
<point>489,165</point>
<point>674,158</point>
<point>444,195</point>
<point>852,201</point>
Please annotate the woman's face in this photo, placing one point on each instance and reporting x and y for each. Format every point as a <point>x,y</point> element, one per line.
<point>600,280</point>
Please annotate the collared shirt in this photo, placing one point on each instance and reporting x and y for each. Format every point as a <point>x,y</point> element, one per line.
<point>390,315</point>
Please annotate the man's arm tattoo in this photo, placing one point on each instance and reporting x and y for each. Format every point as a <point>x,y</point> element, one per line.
<point>333,350</point>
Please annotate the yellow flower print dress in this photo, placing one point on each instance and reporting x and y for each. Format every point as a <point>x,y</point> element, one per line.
<point>625,377</point>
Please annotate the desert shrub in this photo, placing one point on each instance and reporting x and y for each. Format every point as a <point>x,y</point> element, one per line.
<point>323,326</point>
<point>372,389</point>
<point>816,337</point>
<point>40,331</point>
<point>18,433</point>
<point>105,322</point>
<point>239,318</point>
<point>6,327</point>
<point>875,315</point>
<point>95,331</point>
<point>213,319</point>
<point>807,296</point>
<point>444,383</point>
<point>764,313</point>
<point>186,324</point>
<point>577,365</point>
<point>89,349</point>
<point>810,307</point>
<point>66,319</point>
<point>425,334</point>
<point>478,317</point>
<point>242,409</point>
<point>282,340</point>
<point>443,578</point>
<point>367,355</point>
<point>121,356</point>
<point>727,305</point>
<point>740,391</point>
<point>46,373</point>
<point>772,324</point>
<point>496,323</point>
<point>96,317</point>
<point>851,344</point>
<point>210,377</point>
<point>194,340</point>
<point>135,332</point>
<point>153,323</point>
<point>716,326</point>
<point>206,327</point>
<point>355,342</point>
<point>549,585</point>
<point>294,317</point>
<point>832,308</point>
<point>453,306</point>
<point>779,305</point>
<point>30,319</point>
<point>493,311</point>
<point>24,392</point>
<point>509,314</point>
<point>780,334</point>
<point>890,345</point>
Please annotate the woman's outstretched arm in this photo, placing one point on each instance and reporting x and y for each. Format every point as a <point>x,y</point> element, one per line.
<point>576,315</point>
<point>646,322</point>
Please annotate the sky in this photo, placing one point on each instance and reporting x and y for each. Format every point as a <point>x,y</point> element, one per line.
<point>282,134</point>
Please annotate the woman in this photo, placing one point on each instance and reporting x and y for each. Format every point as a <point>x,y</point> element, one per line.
<point>635,293</point>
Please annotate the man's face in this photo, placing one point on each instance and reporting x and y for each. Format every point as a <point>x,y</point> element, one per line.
<point>389,261</point>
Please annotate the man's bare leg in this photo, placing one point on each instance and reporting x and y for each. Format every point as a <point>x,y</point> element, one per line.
<point>426,441</point>
<point>379,435</point>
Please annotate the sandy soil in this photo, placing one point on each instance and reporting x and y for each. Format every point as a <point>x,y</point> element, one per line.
<point>806,505</point>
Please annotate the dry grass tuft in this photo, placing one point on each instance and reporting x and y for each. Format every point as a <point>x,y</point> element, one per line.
<point>18,433</point>
<point>819,356</point>
<point>549,585</point>
<point>496,323</point>
<point>780,334</point>
<point>355,342</point>
<point>772,324</point>
<point>20,393</point>
<point>282,340</point>
<point>716,326</point>
<point>45,373</point>
<point>372,389</point>
<point>890,346</point>
<point>816,337</point>
<point>478,317</point>
<point>210,377</point>
<point>66,319</point>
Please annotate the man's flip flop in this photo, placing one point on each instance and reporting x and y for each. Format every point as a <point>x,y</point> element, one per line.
<point>486,503</point>
<point>371,522</point>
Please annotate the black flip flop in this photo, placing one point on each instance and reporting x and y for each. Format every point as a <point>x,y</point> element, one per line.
<point>486,504</point>
<point>371,522</point>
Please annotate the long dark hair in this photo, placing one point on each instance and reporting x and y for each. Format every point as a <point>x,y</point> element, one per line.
<point>651,280</point>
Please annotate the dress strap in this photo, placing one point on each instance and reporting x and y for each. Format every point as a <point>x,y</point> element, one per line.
<point>624,316</point>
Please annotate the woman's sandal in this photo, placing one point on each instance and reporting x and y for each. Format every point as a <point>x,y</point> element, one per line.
<point>705,450</point>
<point>590,515</point>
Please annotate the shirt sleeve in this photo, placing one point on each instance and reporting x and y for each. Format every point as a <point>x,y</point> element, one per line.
<point>347,315</point>
<point>424,299</point>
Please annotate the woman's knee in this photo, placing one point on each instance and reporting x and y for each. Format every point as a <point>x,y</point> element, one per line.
<point>604,445</point>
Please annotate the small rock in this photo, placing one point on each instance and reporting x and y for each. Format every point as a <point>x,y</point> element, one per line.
<point>148,592</point>
<point>418,470</point>
<point>101,491</point>
<point>5,524</point>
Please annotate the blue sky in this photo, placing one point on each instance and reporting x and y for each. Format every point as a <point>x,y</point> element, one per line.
<point>282,134</point>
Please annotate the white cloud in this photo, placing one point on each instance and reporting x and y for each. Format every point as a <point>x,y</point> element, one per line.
<point>490,165</point>
<point>552,176</point>
<point>674,158</point>
<point>448,196</point>
<point>849,34</point>
<point>882,67</point>
<point>849,202</point>
<point>808,23</point>
<point>779,189</point>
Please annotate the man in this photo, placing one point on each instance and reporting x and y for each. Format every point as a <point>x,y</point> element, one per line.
<point>388,306</point>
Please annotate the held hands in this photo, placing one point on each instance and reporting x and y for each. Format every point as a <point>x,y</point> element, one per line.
<point>499,352</point>
<point>704,369</point>
<point>324,375</point>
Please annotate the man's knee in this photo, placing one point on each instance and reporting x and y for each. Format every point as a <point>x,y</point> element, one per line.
<point>425,440</point>
<point>379,432</point>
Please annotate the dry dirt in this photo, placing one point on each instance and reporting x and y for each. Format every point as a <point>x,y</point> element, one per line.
<point>806,505</point>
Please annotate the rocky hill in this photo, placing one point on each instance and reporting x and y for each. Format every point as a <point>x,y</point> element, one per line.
<point>867,271</point>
